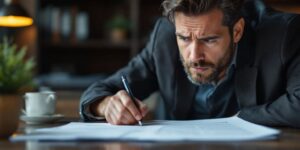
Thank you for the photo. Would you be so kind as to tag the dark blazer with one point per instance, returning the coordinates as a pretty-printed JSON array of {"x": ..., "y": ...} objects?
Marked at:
[{"x": 267, "y": 76}]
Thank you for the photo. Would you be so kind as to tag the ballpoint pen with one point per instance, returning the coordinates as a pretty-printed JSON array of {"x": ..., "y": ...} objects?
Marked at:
[{"x": 126, "y": 85}]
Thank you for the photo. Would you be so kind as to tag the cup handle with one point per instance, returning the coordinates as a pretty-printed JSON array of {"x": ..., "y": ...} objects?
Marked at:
[
  {"x": 24, "y": 105},
  {"x": 23, "y": 111},
  {"x": 50, "y": 98}
]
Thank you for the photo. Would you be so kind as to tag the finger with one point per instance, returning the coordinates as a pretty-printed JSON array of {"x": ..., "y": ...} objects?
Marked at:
[
  {"x": 128, "y": 118},
  {"x": 109, "y": 119},
  {"x": 143, "y": 108},
  {"x": 111, "y": 110},
  {"x": 110, "y": 115},
  {"x": 116, "y": 116},
  {"x": 123, "y": 114},
  {"x": 128, "y": 103}
]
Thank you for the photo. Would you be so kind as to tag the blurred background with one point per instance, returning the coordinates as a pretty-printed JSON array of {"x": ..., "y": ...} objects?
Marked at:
[{"x": 76, "y": 42}]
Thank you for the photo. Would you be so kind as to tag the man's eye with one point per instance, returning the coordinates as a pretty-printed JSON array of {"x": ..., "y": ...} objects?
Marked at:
[
  {"x": 183, "y": 38},
  {"x": 209, "y": 41}
]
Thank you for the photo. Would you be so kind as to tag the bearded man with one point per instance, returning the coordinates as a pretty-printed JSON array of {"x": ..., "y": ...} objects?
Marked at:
[{"x": 209, "y": 59}]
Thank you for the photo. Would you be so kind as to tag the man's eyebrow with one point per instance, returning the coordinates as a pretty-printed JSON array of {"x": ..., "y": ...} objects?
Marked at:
[
  {"x": 180, "y": 34},
  {"x": 209, "y": 37}
]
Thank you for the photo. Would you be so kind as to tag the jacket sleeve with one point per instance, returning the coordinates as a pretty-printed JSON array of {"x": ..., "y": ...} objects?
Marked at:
[
  {"x": 140, "y": 72},
  {"x": 285, "y": 110}
]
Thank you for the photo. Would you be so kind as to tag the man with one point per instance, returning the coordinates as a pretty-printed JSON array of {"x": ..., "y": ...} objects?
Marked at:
[{"x": 209, "y": 67}]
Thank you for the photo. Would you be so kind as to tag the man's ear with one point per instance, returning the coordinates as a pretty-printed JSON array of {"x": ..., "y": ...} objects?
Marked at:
[{"x": 238, "y": 30}]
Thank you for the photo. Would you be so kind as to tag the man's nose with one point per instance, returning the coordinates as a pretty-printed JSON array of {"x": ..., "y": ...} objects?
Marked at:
[{"x": 196, "y": 51}]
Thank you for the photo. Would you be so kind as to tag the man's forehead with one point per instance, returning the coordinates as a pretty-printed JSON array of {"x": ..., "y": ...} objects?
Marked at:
[
  {"x": 201, "y": 25},
  {"x": 213, "y": 13}
]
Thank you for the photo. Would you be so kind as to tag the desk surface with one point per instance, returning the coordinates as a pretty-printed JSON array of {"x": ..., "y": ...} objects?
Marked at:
[{"x": 289, "y": 139}]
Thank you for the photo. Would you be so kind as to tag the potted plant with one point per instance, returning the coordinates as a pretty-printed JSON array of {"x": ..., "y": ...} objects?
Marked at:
[
  {"x": 118, "y": 28},
  {"x": 15, "y": 76}
]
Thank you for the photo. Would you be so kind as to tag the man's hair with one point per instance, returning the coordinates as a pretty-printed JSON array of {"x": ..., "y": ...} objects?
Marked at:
[{"x": 231, "y": 8}]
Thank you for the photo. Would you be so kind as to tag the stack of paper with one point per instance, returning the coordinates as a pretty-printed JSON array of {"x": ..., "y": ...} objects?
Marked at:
[{"x": 225, "y": 129}]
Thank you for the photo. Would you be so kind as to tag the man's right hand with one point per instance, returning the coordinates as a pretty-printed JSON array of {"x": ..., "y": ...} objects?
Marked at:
[{"x": 119, "y": 109}]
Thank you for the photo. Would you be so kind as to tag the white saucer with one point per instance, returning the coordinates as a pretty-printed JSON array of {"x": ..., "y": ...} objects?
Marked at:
[{"x": 41, "y": 119}]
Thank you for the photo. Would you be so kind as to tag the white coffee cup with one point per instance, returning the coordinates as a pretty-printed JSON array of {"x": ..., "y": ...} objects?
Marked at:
[{"x": 39, "y": 103}]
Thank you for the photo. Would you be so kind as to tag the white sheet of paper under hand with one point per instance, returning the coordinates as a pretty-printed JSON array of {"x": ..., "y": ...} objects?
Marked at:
[{"x": 224, "y": 129}]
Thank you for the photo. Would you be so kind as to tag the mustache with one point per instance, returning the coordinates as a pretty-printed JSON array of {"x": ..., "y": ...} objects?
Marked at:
[{"x": 200, "y": 64}]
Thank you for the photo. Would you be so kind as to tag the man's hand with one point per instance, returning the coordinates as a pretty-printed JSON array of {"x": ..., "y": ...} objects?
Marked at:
[{"x": 119, "y": 109}]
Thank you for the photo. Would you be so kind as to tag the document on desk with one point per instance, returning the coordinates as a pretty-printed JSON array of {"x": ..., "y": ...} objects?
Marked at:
[{"x": 224, "y": 129}]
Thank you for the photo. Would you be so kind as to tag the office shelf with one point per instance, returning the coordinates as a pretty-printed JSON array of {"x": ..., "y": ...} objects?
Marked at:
[{"x": 77, "y": 35}]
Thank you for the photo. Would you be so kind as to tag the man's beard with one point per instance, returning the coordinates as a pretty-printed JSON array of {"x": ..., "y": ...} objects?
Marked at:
[{"x": 214, "y": 69}]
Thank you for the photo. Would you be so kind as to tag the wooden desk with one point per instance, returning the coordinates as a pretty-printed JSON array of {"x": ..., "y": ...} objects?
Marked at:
[
  {"x": 68, "y": 105},
  {"x": 289, "y": 140}
]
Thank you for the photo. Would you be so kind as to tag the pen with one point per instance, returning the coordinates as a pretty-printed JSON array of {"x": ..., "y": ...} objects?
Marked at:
[{"x": 126, "y": 85}]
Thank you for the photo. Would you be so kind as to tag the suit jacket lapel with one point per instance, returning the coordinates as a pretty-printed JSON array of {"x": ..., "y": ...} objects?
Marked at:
[{"x": 184, "y": 94}]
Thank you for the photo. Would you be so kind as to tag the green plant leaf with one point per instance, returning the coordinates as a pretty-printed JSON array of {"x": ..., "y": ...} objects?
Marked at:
[{"x": 15, "y": 70}]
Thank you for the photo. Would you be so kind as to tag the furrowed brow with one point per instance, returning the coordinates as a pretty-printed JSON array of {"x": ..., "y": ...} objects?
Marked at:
[{"x": 209, "y": 38}]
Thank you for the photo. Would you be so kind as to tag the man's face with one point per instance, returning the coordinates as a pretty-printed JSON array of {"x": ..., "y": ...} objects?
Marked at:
[{"x": 205, "y": 45}]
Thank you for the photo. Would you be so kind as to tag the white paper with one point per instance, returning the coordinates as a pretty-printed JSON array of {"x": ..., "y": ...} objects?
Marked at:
[{"x": 225, "y": 129}]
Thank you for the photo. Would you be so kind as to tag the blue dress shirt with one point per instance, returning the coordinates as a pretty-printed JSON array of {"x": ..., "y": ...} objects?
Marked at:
[{"x": 216, "y": 100}]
